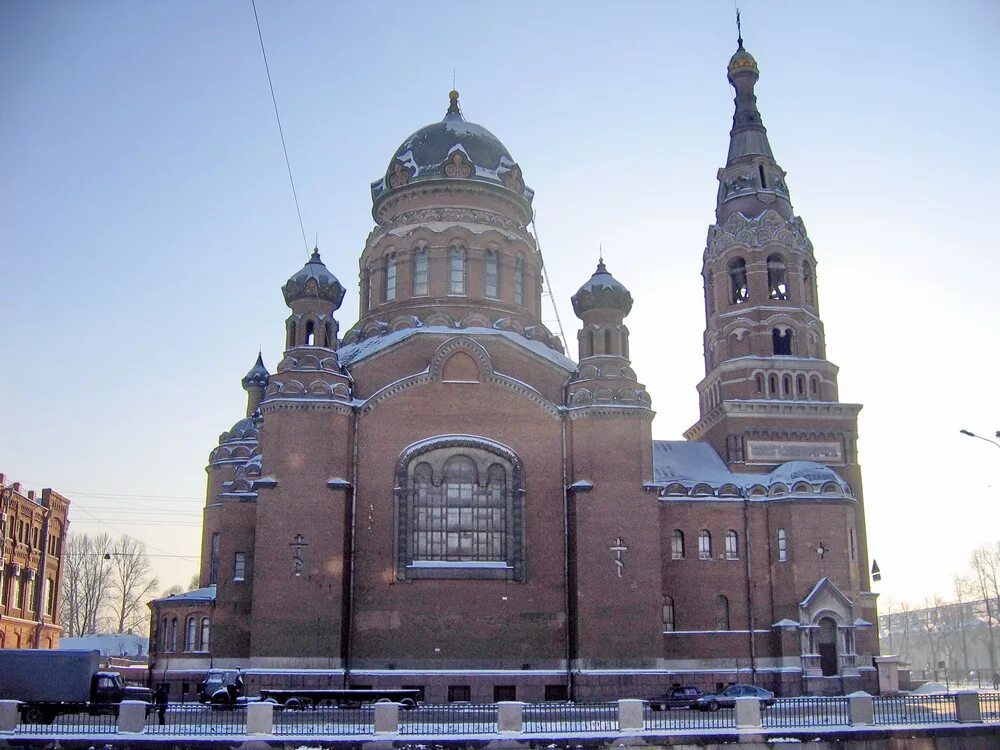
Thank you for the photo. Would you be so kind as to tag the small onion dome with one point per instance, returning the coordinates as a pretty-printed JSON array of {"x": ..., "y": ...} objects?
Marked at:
[
  {"x": 452, "y": 149},
  {"x": 602, "y": 291},
  {"x": 741, "y": 61},
  {"x": 314, "y": 281},
  {"x": 258, "y": 375}
]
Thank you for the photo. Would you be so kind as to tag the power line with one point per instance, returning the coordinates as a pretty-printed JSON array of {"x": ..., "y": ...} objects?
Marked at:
[{"x": 281, "y": 132}]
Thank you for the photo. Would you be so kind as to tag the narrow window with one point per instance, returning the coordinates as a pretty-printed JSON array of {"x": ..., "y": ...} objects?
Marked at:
[
  {"x": 814, "y": 386},
  {"x": 772, "y": 384},
  {"x": 732, "y": 545},
  {"x": 456, "y": 271},
  {"x": 213, "y": 572},
  {"x": 721, "y": 613},
  {"x": 786, "y": 385},
  {"x": 704, "y": 545},
  {"x": 800, "y": 385},
  {"x": 738, "y": 281},
  {"x": 592, "y": 336},
  {"x": 677, "y": 545},
  {"x": 782, "y": 546},
  {"x": 709, "y": 293},
  {"x": 607, "y": 341},
  {"x": 668, "y": 614},
  {"x": 291, "y": 334},
  {"x": 205, "y": 633},
  {"x": 777, "y": 277},
  {"x": 519, "y": 282},
  {"x": 782, "y": 342},
  {"x": 240, "y": 566},
  {"x": 173, "y": 635},
  {"x": 852, "y": 545},
  {"x": 390, "y": 280},
  {"x": 366, "y": 288},
  {"x": 492, "y": 275},
  {"x": 50, "y": 594},
  {"x": 760, "y": 382},
  {"x": 420, "y": 273},
  {"x": 807, "y": 283},
  {"x": 191, "y": 641},
  {"x": 165, "y": 635},
  {"x": 763, "y": 179},
  {"x": 310, "y": 333}
]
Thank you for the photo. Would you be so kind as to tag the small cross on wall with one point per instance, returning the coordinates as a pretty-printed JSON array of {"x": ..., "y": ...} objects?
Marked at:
[
  {"x": 618, "y": 550},
  {"x": 297, "y": 561},
  {"x": 821, "y": 551}
]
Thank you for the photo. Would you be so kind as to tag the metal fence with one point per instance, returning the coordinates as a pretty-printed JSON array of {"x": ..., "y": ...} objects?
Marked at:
[
  {"x": 989, "y": 706},
  {"x": 689, "y": 718},
  {"x": 324, "y": 720},
  {"x": 800, "y": 712},
  {"x": 571, "y": 717},
  {"x": 451, "y": 718},
  {"x": 915, "y": 709},
  {"x": 198, "y": 719},
  {"x": 81, "y": 723}
]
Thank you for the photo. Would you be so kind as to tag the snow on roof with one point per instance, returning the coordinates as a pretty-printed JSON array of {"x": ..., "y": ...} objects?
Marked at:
[
  {"x": 203, "y": 594},
  {"x": 353, "y": 353},
  {"x": 109, "y": 644}
]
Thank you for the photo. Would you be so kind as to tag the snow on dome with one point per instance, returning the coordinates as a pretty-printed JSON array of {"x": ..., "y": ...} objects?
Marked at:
[
  {"x": 314, "y": 280},
  {"x": 449, "y": 149},
  {"x": 805, "y": 471},
  {"x": 602, "y": 290},
  {"x": 258, "y": 375},
  {"x": 245, "y": 429}
]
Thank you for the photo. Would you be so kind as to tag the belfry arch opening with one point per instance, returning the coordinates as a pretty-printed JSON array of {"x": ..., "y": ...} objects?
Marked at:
[
  {"x": 739, "y": 291},
  {"x": 826, "y": 645},
  {"x": 781, "y": 341},
  {"x": 777, "y": 277}
]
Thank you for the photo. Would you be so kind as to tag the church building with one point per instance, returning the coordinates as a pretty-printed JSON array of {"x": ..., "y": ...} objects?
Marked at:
[{"x": 440, "y": 497}]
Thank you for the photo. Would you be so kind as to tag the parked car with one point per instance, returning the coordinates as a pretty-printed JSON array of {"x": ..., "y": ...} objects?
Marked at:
[
  {"x": 727, "y": 698},
  {"x": 676, "y": 697}
]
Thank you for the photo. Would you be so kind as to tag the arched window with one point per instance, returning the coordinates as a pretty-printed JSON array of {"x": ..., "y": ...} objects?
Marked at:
[
  {"x": 777, "y": 277},
  {"x": 709, "y": 293},
  {"x": 460, "y": 510},
  {"x": 420, "y": 272},
  {"x": 518, "y": 281},
  {"x": 782, "y": 546},
  {"x": 760, "y": 382},
  {"x": 677, "y": 545},
  {"x": 492, "y": 287},
  {"x": 592, "y": 340},
  {"x": 807, "y": 283},
  {"x": 772, "y": 385},
  {"x": 366, "y": 289},
  {"x": 456, "y": 270},
  {"x": 732, "y": 545},
  {"x": 291, "y": 334},
  {"x": 800, "y": 385},
  {"x": 607, "y": 341},
  {"x": 390, "y": 278},
  {"x": 786, "y": 386},
  {"x": 165, "y": 635},
  {"x": 310, "y": 333},
  {"x": 739, "y": 292},
  {"x": 721, "y": 613},
  {"x": 173, "y": 635},
  {"x": 704, "y": 545},
  {"x": 782, "y": 341},
  {"x": 205, "y": 633},
  {"x": 191, "y": 639},
  {"x": 814, "y": 386},
  {"x": 668, "y": 614}
]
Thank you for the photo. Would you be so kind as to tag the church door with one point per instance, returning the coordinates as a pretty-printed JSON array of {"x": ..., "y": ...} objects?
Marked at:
[{"x": 827, "y": 646}]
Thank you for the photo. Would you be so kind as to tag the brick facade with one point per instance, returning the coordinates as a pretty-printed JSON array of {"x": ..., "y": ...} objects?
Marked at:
[{"x": 441, "y": 498}]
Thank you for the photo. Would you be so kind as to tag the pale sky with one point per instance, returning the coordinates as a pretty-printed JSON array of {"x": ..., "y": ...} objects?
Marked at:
[{"x": 147, "y": 224}]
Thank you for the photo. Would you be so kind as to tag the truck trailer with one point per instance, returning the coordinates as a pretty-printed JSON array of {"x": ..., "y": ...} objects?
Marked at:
[{"x": 51, "y": 682}]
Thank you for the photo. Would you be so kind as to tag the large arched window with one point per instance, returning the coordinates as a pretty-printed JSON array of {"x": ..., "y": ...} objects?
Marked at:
[
  {"x": 704, "y": 545},
  {"x": 492, "y": 276},
  {"x": 739, "y": 292},
  {"x": 732, "y": 545},
  {"x": 460, "y": 510},
  {"x": 173, "y": 635},
  {"x": 205, "y": 634},
  {"x": 677, "y": 545},
  {"x": 456, "y": 270},
  {"x": 668, "y": 614},
  {"x": 777, "y": 277},
  {"x": 518, "y": 281},
  {"x": 721, "y": 613},
  {"x": 191, "y": 635},
  {"x": 420, "y": 288},
  {"x": 390, "y": 278}
]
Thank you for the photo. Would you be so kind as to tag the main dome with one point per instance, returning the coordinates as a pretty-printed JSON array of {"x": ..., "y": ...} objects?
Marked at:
[{"x": 452, "y": 149}]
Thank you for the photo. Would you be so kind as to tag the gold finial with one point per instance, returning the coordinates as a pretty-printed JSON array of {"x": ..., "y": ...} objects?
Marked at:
[{"x": 453, "y": 108}]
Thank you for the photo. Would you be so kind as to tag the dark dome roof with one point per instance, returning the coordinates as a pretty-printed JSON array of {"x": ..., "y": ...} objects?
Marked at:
[
  {"x": 315, "y": 281},
  {"x": 602, "y": 290},
  {"x": 452, "y": 148}
]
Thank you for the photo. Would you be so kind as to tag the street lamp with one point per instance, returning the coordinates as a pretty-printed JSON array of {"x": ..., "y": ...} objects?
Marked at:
[{"x": 991, "y": 441}]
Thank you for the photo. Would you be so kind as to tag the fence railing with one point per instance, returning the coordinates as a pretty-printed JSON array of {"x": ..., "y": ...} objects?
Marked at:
[{"x": 457, "y": 719}]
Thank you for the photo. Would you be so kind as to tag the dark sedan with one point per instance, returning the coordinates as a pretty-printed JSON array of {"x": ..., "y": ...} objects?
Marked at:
[
  {"x": 678, "y": 697},
  {"x": 727, "y": 698}
]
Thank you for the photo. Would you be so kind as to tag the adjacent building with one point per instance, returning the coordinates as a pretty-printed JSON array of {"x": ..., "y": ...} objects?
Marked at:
[
  {"x": 33, "y": 529},
  {"x": 441, "y": 497}
]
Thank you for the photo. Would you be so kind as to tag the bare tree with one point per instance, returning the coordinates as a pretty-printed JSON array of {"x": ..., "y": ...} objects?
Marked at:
[
  {"x": 132, "y": 584},
  {"x": 172, "y": 591},
  {"x": 86, "y": 582},
  {"x": 986, "y": 572},
  {"x": 964, "y": 590}
]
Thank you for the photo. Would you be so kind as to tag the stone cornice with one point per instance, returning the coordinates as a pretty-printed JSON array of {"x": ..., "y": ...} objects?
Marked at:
[{"x": 768, "y": 408}]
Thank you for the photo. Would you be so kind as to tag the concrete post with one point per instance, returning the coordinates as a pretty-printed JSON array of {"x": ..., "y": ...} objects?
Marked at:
[
  {"x": 630, "y": 714},
  {"x": 386, "y": 718},
  {"x": 861, "y": 707},
  {"x": 968, "y": 706},
  {"x": 747, "y": 712},
  {"x": 132, "y": 716},
  {"x": 8, "y": 716},
  {"x": 260, "y": 718},
  {"x": 510, "y": 716}
]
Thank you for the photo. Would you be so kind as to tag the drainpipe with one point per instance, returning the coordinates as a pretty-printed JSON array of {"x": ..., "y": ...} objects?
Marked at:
[
  {"x": 749, "y": 580},
  {"x": 42, "y": 580},
  {"x": 570, "y": 619},
  {"x": 348, "y": 608}
]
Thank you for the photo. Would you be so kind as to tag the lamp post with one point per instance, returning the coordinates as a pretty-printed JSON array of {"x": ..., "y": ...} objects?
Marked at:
[{"x": 991, "y": 441}]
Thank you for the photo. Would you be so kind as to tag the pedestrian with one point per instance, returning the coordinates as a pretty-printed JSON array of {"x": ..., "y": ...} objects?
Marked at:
[{"x": 161, "y": 698}]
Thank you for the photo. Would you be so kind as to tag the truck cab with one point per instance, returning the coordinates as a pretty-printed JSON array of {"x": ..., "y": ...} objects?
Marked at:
[
  {"x": 109, "y": 687},
  {"x": 221, "y": 686}
]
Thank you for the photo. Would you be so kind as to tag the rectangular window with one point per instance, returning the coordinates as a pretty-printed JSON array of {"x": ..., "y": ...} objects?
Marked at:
[
  {"x": 240, "y": 566},
  {"x": 853, "y": 542},
  {"x": 519, "y": 282},
  {"x": 556, "y": 693},
  {"x": 782, "y": 546},
  {"x": 17, "y": 595},
  {"x": 492, "y": 275},
  {"x": 732, "y": 546},
  {"x": 420, "y": 273},
  {"x": 504, "y": 693},
  {"x": 390, "y": 281},
  {"x": 456, "y": 271},
  {"x": 213, "y": 573},
  {"x": 50, "y": 597},
  {"x": 668, "y": 614},
  {"x": 459, "y": 693}
]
